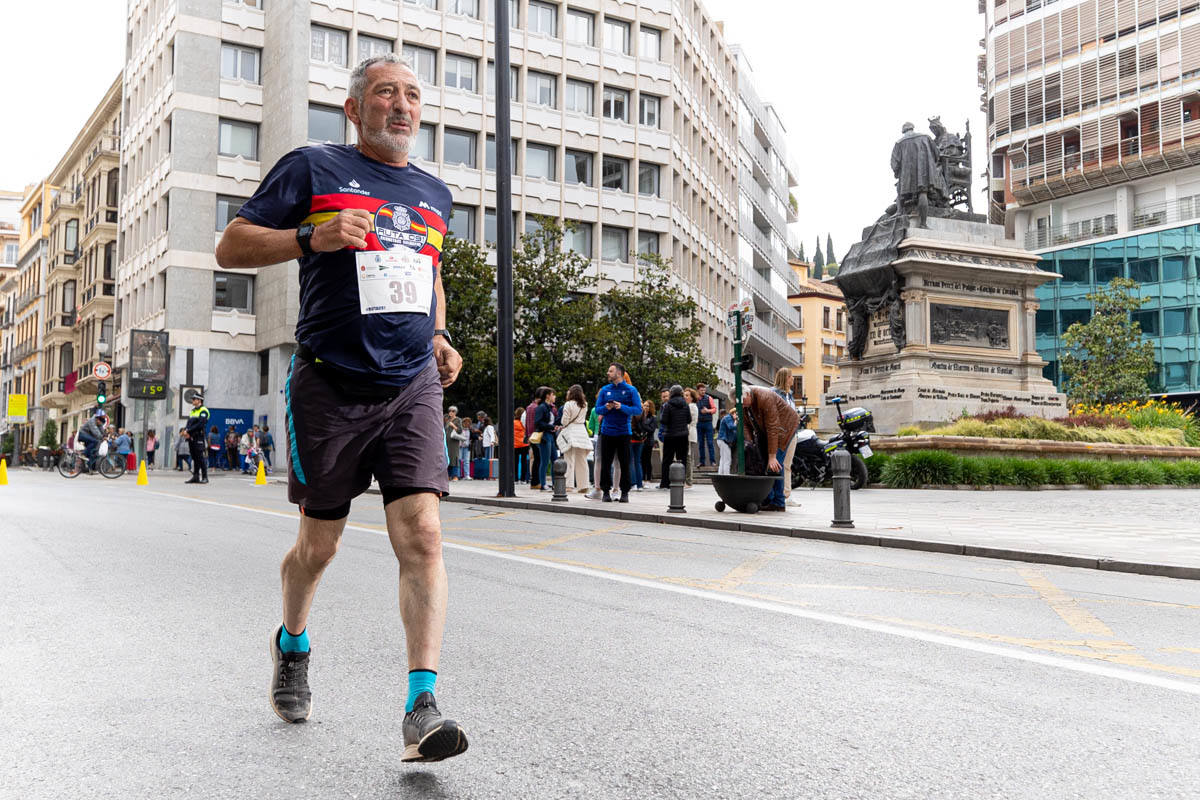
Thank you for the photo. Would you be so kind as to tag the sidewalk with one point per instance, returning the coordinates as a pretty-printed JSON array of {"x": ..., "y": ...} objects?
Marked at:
[{"x": 1147, "y": 531}]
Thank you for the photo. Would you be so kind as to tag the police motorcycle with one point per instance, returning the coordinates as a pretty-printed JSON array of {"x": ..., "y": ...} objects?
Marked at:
[{"x": 812, "y": 463}]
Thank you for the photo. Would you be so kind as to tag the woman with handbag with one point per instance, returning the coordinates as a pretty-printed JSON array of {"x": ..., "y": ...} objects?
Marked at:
[
  {"x": 573, "y": 439},
  {"x": 453, "y": 438},
  {"x": 542, "y": 437}
]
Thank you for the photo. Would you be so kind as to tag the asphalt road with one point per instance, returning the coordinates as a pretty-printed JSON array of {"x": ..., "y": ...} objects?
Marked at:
[{"x": 587, "y": 658}]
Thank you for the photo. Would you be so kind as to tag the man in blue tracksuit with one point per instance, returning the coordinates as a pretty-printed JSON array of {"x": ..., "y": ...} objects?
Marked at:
[{"x": 616, "y": 404}]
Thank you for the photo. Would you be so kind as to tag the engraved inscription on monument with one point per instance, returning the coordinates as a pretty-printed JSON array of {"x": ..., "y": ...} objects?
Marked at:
[
  {"x": 881, "y": 334},
  {"x": 968, "y": 326}
]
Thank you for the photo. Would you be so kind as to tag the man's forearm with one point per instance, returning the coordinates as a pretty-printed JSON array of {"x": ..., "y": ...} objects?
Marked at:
[
  {"x": 439, "y": 319},
  {"x": 245, "y": 245}
]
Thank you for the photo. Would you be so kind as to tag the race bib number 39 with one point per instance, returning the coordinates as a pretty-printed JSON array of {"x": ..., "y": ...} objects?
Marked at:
[{"x": 394, "y": 281}]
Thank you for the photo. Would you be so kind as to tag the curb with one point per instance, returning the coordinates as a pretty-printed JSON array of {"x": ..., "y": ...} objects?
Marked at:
[{"x": 842, "y": 536}]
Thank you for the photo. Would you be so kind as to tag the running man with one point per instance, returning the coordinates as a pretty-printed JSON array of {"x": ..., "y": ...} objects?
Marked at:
[{"x": 364, "y": 393}]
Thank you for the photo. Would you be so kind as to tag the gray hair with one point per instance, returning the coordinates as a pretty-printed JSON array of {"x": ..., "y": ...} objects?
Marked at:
[
  {"x": 677, "y": 391},
  {"x": 358, "y": 78}
]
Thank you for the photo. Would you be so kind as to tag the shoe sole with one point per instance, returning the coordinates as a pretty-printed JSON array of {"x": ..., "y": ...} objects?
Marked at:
[
  {"x": 271, "y": 687},
  {"x": 445, "y": 741}
]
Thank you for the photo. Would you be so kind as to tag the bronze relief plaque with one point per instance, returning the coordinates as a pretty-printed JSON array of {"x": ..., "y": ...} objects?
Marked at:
[{"x": 968, "y": 326}]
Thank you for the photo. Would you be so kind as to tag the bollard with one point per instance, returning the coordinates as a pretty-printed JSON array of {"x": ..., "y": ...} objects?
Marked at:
[
  {"x": 559, "y": 481},
  {"x": 676, "y": 472},
  {"x": 841, "y": 489}
]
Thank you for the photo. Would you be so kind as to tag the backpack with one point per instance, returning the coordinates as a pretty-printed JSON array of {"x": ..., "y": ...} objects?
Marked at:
[{"x": 756, "y": 460}]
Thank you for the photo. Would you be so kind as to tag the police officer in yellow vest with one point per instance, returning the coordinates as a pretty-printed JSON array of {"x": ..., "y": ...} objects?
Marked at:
[{"x": 197, "y": 434}]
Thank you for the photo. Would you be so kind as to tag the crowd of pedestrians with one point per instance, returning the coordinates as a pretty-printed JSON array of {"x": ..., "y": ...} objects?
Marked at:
[{"x": 609, "y": 445}]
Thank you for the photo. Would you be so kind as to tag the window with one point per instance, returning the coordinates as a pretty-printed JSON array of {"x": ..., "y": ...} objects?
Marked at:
[
  {"x": 1069, "y": 316},
  {"x": 540, "y": 161},
  {"x": 427, "y": 3},
  {"x": 1108, "y": 268},
  {"x": 616, "y": 35},
  {"x": 327, "y": 46},
  {"x": 326, "y": 124},
  {"x": 1176, "y": 321},
  {"x": 490, "y": 155},
  {"x": 10, "y": 253},
  {"x": 648, "y": 106},
  {"x": 540, "y": 89},
  {"x": 239, "y": 63},
  {"x": 462, "y": 222},
  {"x": 581, "y": 27},
  {"x": 106, "y": 327},
  {"x": 460, "y": 72},
  {"x": 543, "y": 18},
  {"x": 1145, "y": 271},
  {"x": 114, "y": 181},
  {"x": 1045, "y": 322},
  {"x": 580, "y": 96},
  {"x": 579, "y": 240},
  {"x": 614, "y": 244},
  {"x": 468, "y": 8},
  {"x": 264, "y": 371},
  {"x": 423, "y": 146},
  {"x": 234, "y": 292},
  {"x": 616, "y": 104},
  {"x": 371, "y": 46},
  {"x": 647, "y": 242},
  {"x": 650, "y": 43},
  {"x": 579, "y": 168},
  {"x": 68, "y": 297},
  {"x": 71, "y": 235},
  {"x": 458, "y": 147},
  {"x": 238, "y": 139},
  {"x": 514, "y": 82},
  {"x": 1149, "y": 322},
  {"x": 648, "y": 178},
  {"x": 227, "y": 208},
  {"x": 423, "y": 61},
  {"x": 615, "y": 174},
  {"x": 825, "y": 318},
  {"x": 1073, "y": 270}
]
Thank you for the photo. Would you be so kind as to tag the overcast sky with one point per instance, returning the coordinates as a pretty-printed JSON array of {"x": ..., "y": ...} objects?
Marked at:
[{"x": 843, "y": 76}]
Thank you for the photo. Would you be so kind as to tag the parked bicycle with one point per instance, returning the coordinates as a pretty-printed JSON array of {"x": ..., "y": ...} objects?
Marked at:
[{"x": 109, "y": 463}]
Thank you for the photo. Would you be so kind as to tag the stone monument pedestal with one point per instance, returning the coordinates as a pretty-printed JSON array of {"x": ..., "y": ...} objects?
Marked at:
[{"x": 965, "y": 326}]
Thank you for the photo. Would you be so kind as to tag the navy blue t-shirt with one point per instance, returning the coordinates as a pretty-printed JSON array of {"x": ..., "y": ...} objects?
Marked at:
[{"x": 410, "y": 209}]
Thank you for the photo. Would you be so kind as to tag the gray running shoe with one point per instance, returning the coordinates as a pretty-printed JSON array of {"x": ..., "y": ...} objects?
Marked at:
[
  {"x": 428, "y": 736},
  {"x": 290, "y": 696}
]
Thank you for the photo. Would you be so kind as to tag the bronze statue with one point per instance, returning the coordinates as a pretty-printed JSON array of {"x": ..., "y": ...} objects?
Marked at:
[
  {"x": 918, "y": 171},
  {"x": 954, "y": 158}
]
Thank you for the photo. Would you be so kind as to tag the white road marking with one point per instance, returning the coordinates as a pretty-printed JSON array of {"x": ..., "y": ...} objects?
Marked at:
[{"x": 781, "y": 608}]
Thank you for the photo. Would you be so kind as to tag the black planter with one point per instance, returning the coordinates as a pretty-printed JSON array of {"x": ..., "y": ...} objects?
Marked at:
[{"x": 744, "y": 493}]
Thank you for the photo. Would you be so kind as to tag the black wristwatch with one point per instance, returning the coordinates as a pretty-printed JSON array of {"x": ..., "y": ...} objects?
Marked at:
[
  {"x": 304, "y": 238},
  {"x": 445, "y": 334}
]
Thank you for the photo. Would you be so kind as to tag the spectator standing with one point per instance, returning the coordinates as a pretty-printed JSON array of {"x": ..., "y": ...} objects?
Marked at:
[
  {"x": 216, "y": 449},
  {"x": 181, "y": 451},
  {"x": 776, "y": 420},
  {"x": 520, "y": 446},
  {"x": 637, "y": 439},
  {"x": 530, "y": 412},
  {"x": 453, "y": 426},
  {"x": 573, "y": 439},
  {"x": 124, "y": 444},
  {"x": 245, "y": 445},
  {"x": 232, "y": 440},
  {"x": 727, "y": 440},
  {"x": 783, "y": 388},
  {"x": 543, "y": 424},
  {"x": 268, "y": 446},
  {"x": 488, "y": 438},
  {"x": 673, "y": 426},
  {"x": 151, "y": 446},
  {"x": 616, "y": 403},
  {"x": 649, "y": 426},
  {"x": 689, "y": 394},
  {"x": 706, "y": 407}
]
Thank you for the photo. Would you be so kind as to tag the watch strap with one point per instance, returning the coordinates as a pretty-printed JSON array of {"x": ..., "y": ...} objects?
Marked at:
[
  {"x": 443, "y": 333},
  {"x": 304, "y": 238}
]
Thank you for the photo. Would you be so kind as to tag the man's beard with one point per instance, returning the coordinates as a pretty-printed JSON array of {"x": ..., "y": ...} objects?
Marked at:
[{"x": 383, "y": 139}]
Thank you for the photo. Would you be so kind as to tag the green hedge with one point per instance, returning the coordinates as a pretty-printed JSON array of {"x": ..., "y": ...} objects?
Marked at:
[{"x": 922, "y": 467}]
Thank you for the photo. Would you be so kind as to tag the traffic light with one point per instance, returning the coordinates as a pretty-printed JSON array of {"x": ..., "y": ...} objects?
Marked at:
[
  {"x": 747, "y": 362},
  {"x": 101, "y": 394}
]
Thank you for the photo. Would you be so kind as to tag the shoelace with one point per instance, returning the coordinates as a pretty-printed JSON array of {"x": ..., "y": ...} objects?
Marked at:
[{"x": 291, "y": 669}]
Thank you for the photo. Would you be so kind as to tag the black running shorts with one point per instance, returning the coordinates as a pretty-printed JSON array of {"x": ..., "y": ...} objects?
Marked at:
[{"x": 340, "y": 435}]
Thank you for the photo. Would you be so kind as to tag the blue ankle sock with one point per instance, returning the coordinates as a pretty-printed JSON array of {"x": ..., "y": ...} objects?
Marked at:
[
  {"x": 419, "y": 680},
  {"x": 293, "y": 644}
]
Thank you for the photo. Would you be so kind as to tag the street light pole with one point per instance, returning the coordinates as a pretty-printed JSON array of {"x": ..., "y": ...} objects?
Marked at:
[{"x": 504, "y": 246}]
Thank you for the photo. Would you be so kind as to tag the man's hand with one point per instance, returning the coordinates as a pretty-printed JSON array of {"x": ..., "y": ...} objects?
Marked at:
[
  {"x": 773, "y": 465},
  {"x": 348, "y": 229},
  {"x": 449, "y": 362}
]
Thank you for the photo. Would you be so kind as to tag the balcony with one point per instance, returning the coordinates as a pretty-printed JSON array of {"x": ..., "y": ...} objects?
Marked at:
[
  {"x": 764, "y": 335},
  {"x": 108, "y": 145},
  {"x": 67, "y": 197},
  {"x": 761, "y": 201},
  {"x": 23, "y": 351},
  {"x": 1169, "y": 213},
  {"x": 58, "y": 327},
  {"x": 778, "y": 303},
  {"x": 54, "y": 393},
  {"x": 1042, "y": 238},
  {"x": 26, "y": 298},
  {"x": 829, "y": 361}
]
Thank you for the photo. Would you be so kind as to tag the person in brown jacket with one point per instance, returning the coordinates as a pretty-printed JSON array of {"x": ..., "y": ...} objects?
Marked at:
[{"x": 776, "y": 420}]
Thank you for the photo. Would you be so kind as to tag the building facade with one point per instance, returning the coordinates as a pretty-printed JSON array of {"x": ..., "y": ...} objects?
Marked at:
[
  {"x": 1093, "y": 111},
  {"x": 820, "y": 337},
  {"x": 77, "y": 328},
  {"x": 624, "y": 122},
  {"x": 10, "y": 243},
  {"x": 28, "y": 307},
  {"x": 765, "y": 180}
]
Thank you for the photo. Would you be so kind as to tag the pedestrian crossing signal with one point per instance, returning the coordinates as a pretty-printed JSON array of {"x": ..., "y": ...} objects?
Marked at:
[{"x": 101, "y": 394}]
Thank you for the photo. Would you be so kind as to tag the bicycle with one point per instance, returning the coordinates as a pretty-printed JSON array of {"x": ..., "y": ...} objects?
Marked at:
[{"x": 74, "y": 462}]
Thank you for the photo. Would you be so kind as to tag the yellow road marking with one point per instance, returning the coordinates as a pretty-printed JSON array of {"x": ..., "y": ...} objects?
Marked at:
[
  {"x": 744, "y": 571},
  {"x": 1195, "y": 650},
  {"x": 570, "y": 537},
  {"x": 1067, "y": 607}
]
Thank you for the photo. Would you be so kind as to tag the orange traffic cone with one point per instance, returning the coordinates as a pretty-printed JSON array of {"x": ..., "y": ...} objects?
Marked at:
[
  {"x": 142, "y": 480},
  {"x": 261, "y": 478}
]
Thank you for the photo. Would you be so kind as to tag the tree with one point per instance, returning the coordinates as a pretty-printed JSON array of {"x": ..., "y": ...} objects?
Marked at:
[
  {"x": 652, "y": 329},
  {"x": 1107, "y": 359},
  {"x": 830, "y": 258},
  {"x": 818, "y": 262},
  {"x": 49, "y": 437},
  {"x": 800, "y": 255},
  {"x": 470, "y": 284}
]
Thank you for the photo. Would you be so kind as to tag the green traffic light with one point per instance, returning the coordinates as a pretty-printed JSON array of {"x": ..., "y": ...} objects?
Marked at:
[{"x": 101, "y": 399}]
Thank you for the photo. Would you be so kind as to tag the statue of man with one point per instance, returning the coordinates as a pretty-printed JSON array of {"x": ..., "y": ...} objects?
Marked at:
[{"x": 919, "y": 178}]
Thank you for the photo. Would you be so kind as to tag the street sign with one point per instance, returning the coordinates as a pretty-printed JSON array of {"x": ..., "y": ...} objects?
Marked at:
[
  {"x": 148, "y": 364},
  {"x": 18, "y": 408},
  {"x": 746, "y": 308},
  {"x": 102, "y": 371}
]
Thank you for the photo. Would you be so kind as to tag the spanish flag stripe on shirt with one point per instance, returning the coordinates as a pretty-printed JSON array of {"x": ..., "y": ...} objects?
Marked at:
[{"x": 434, "y": 237}]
